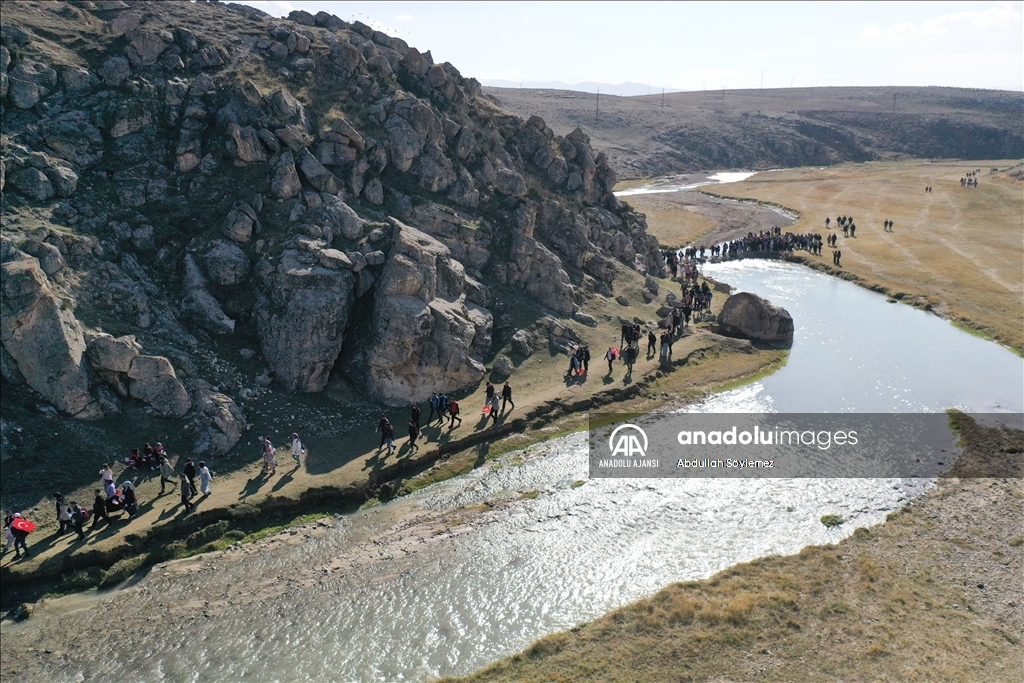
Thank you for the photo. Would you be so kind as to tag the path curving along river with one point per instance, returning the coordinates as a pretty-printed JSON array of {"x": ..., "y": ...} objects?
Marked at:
[{"x": 470, "y": 570}]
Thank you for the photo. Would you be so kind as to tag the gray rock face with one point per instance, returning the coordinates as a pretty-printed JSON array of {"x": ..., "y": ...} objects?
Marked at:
[
  {"x": 106, "y": 352},
  {"x": 33, "y": 184},
  {"x": 154, "y": 381},
  {"x": 522, "y": 343},
  {"x": 502, "y": 367},
  {"x": 239, "y": 222},
  {"x": 44, "y": 340},
  {"x": 222, "y": 422},
  {"x": 301, "y": 313},
  {"x": 199, "y": 305},
  {"x": 424, "y": 332},
  {"x": 226, "y": 263},
  {"x": 535, "y": 269},
  {"x": 284, "y": 180},
  {"x": 750, "y": 316},
  {"x": 247, "y": 143},
  {"x": 374, "y": 192},
  {"x": 340, "y": 217}
]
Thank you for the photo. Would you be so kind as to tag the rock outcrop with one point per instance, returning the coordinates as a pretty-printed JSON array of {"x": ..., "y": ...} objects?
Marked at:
[
  {"x": 423, "y": 331},
  {"x": 748, "y": 315},
  {"x": 44, "y": 339},
  {"x": 301, "y": 313}
]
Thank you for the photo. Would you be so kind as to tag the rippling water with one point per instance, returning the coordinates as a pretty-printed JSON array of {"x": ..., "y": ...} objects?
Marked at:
[{"x": 425, "y": 587}]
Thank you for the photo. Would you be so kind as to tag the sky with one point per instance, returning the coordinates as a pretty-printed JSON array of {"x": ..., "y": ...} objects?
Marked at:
[{"x": 696, "y": 45}]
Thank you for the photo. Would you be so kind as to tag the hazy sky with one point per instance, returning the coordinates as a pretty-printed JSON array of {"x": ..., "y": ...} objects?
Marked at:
[{"x": 694, "y": 45}]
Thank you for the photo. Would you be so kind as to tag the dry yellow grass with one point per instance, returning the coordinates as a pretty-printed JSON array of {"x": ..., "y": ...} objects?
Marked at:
[
  {"x": 961, "y": 250},
  {"x": 673, "y": 224}
]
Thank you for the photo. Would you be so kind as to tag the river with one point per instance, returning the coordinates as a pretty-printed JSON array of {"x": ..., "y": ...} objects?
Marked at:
[{"x": 460, "y": 574}]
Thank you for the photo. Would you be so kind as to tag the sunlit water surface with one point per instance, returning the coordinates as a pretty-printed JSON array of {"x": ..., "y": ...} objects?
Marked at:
[{"x": 535, "y": 566}]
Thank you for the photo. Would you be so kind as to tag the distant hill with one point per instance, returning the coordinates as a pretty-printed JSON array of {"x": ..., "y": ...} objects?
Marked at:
[
  {"x": 759, "y": 129},
  {"x": 627, "y": 89}
]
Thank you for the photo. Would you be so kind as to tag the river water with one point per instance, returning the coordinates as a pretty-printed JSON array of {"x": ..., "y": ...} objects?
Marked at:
[{"x": 467, "y": 571}]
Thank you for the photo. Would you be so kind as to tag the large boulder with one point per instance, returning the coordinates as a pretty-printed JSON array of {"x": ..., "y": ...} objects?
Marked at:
[
  {"x": 226, "y": 263},
  {"x": 201, "y": 306},
  {"x": 301, "y": 313},
  {"x": 425, "y": 337},
  {"x": 44, "y": 339},
  {"x": 221, "y": 422},
  {"x": 748, "y": 315},
  {"x": 114, "y": 354},
  {"x": 154, "y": 381},
  {"x": 535, "y": 269}
]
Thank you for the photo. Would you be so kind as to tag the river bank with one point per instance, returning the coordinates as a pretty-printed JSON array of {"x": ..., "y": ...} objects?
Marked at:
[
  {"x": 933, "y": 594},
  {"x": 954, "y": 251},
  {"x": 355, "y": 472}
]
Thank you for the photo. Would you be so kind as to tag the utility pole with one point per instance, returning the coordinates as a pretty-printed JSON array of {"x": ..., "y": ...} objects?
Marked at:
[
  {"x": 723, "y": 94},
  {"x": 762, "y": 79},
  {"x": 894, "y": 103},
  {"x": 662, "y": 98},
  {"x": 597, "y": 106}
]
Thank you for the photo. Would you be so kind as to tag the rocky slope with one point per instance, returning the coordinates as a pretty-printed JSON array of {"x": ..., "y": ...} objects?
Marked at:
[
  {"x": 184, "y": 184},
  {"x": 762, "y": 129}
]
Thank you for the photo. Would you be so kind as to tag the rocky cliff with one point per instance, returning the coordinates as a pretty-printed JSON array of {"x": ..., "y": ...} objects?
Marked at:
[{"x": 183, "y": 180}]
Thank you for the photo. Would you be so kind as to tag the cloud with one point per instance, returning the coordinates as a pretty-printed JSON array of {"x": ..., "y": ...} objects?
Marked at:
[
  {"x": 404, "y": 17},
  {"x": 871, "y": 33},
  {"x": 287, "y": 7}
]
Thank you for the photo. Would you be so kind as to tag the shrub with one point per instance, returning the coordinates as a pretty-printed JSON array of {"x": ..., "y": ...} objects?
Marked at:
[
  {"x": 123, "y": 570},
  {"x": 207, "y": 534}
]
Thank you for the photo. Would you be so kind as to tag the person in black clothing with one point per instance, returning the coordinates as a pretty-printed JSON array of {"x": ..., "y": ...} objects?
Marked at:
[
  {"x": 586, "y": 362},
  {"x": 652, "y": 341},
  {"x": 382, "y": 427},
  {"x": 19, "y": 538},
  {"x": 415, "y": 416},
  {"x": 490, "y": 392},
  {"x": 131, "y": 503},
  {"x": 99, "y": 509},
  {"x": 506, "y": 397},
  {"x": 189, "y": 470},
  {"x": 414, "y": 432},
  {"x": 185, "y": 484}
]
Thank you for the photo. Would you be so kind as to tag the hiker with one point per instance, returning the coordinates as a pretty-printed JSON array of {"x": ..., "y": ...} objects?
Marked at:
[
  {"x": 382, "y": 426},
  {"x": 839, "y": 255},
  {"x": 443, "y": 406},
  {"x": 586, "y": 361},
  {"x": 652, "y": 341},
  {"x": 574, "y": 369},
  {"x": 19, "y": 536},
  {"x": 8, "y": 534},
  {"x": 107, "y": 480},
  {"x": 63, "y": 513},
  {"x": 297, "y": 449},
  {"x": 388, "y": 435},
  {"x": 131, "y": 503},
  {"x": 185, "y": 485},
  {"x": 490, "y": 392},
  {"x": 629, "y": 355},
  {"x": 414, "y": 432},
  {"x": 493, "y": 403},
  {"x": 205, "y": 478},
  {"x": 166, "y": 474},
  {"x": 269, "y": 463},
  {"x": 99, "y": 510},
  {"x": 664, "y": 345},
  {"x": 453, "y": 407},
  {"x": 190, "y": 469},
  {"x": 506, "y": 397},
  {"x": 78, "y": 517},
  {"x": 414, "y": 415},
  {"x": 610, "y": 357},
  {"x": 434, "y": 405}
]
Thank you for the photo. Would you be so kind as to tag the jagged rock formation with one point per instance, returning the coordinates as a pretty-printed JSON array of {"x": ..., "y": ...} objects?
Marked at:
[
  {"x": 748, "y": 315},
  {"x": 345, "y": 187}
]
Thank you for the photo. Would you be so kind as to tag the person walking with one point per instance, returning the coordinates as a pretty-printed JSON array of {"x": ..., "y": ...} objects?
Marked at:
[
  {"x": 414, "y": 432},
  {"x": 8, "y": 534},
  {"x": 297, "y": 449},
  {"x": 131, "y": 502},
  {"x": 99, "y": 510},
  {"x": 651, "y": 341},
  {"x": 442, "y": 411},
  {"x": 610, "y": 357},
  {"x": 190, "y": 469},
  {"x": 414, "y": 415},
  {"x": 506, "y": 397},
  {"x": 388, "y": 435},
  {"x": 435, "y": 404},
  {"x": 453, "y": 410},
  {"x": 269, "y": 461},
  {"x": 204, "y": 479},
  {"x": 166, "y": 474},
  {"x": 382, "y": 427},
  {"x": 490, "y": 392},
  {"x": 107, "y": 480},
  {"x": 494, "y": 409},
  {"x": 586, "y": 361},
  {"x": 19, "y": 537},
  {"x": 78, "y": 517},
  {"x": 185, "y": 497},
  {"x": 63, "y": 513}
]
